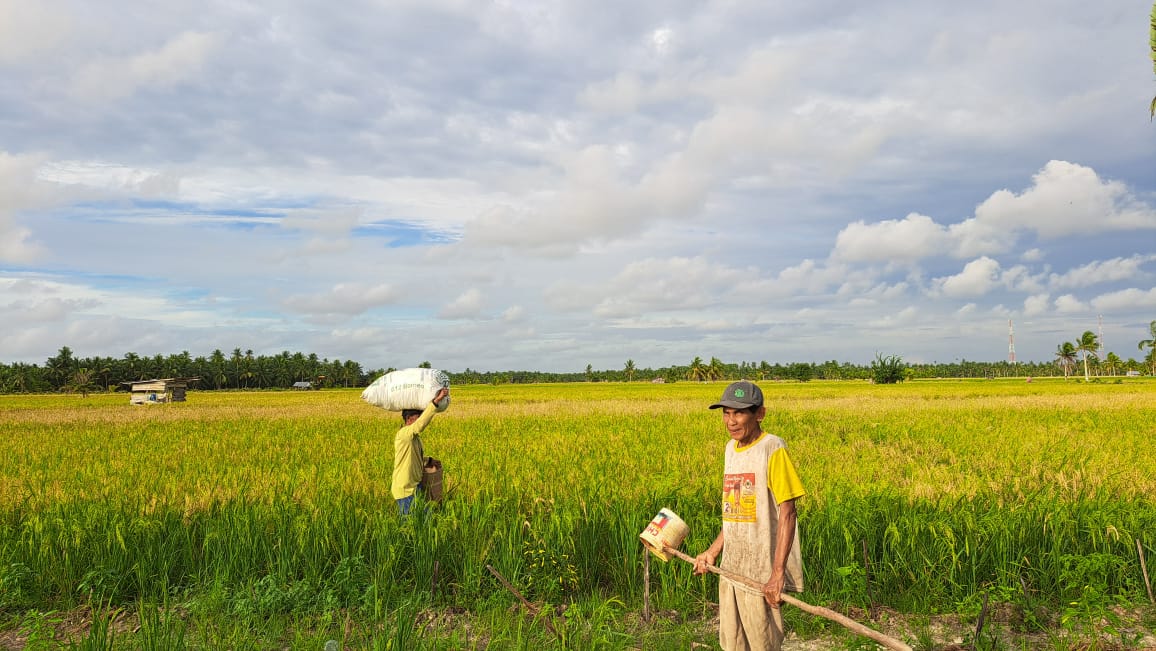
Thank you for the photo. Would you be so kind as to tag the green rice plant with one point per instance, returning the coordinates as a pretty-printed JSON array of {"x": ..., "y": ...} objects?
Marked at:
[
  {"x": 269, "y": 508},
  {"x": 101, "y": 635},
  {"x": 160, "y": 629}
]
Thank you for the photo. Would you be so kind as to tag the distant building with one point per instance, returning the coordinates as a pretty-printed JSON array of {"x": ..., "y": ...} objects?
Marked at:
[
  {"x": 303, "y": 386},
  {"x": 1133, "y": 374},
  {"x": 151, "y": 392}
]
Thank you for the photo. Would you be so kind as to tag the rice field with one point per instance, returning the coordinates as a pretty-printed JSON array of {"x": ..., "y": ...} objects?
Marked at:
[{"x": 264, "y": 519}]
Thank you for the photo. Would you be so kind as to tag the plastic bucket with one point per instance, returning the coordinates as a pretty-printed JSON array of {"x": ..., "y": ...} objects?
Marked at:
[{"x": 665, "y": 530}]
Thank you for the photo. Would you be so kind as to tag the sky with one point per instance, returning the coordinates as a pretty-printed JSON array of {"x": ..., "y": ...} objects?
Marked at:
[{"x": 544, "y": 185}]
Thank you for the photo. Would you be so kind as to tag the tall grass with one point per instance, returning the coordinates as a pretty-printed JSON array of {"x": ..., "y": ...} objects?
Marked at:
[{"x": 253, "y": 506}]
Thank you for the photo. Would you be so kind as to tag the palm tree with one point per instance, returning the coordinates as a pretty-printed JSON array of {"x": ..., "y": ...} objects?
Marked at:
[
  {"x": 352, "y": 372},
  {"x": 697, "y": 371},
  {"x": 629, "y": 370},
  {"x": 104, "y": 367},
  {"x": 19, "y": 378},
  {"x": 716, "y": 370},
  {"x": 1150, "y": 344},
  {"x": 765, "y": 369},
  {"x": 1087, "y": 344},
  {"x": 157, "y": 364},
  {"x": 236, "y": 367},
  {"x": 263, "y": 371},
  {"x": 217, "y": 374},
  {"x": 281, "y": 374},
  {"x": 81, "y": 381},
  {"x": 1152, "y": 42},
  {"x": 131, "y": 365},
  {"x": 61, "y": 367},
  {"x": 1112, "y": 362},
  {"x": 1066, "y": 357}
]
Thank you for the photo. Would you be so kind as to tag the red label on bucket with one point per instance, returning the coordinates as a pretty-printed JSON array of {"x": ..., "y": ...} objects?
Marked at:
[{"x": 657, "y": 524}]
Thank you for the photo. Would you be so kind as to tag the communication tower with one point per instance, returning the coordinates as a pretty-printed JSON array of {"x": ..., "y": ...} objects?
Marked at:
[
  {"x": 1101, "y": 339},
  {"x": 1011, "y": 342}
]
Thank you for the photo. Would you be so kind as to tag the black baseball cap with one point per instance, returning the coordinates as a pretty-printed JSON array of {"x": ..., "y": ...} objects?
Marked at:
[{"x": 740, "y": 395}]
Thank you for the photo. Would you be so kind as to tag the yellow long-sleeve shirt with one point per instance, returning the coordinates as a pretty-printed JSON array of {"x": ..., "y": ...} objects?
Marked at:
[{"x": 408, "y": 455}]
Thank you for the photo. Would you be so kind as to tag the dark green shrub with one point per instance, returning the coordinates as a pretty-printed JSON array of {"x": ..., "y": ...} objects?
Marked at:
[{"x": 887, "y": 369}]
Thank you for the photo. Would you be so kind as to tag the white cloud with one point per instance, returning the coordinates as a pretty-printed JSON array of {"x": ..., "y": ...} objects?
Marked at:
[
  {"x": 593, "y": 202},
  {"x": 1103, "y": 271},
  {"x": 19, "y": 192},
  {"x": 905, "y": 316},
  {"x": 879, "y": 294},
  {"x": 105, "y": 179},
  {"x": 681, "y": 283},
  {"x": 973, "y": 237},
  {"x": 16, "y": 243},
  {"x": 110, "y": 78},
  {"x": 1125, "y": 300},
  {"x": 1066, "y": 199},
  {"x": 30, "y": 29},
  {"x": 1036, "y": 304},
  {"x": 671, "y": 284},
  {"x": 662, "y": 40},
  {"x": 329, "y": 228},
  {"x": 465, "y": 306},
  {"x": 626, "y": 92},
  {"x": 1069, "y": 304},
  {"x": 1020, "y": 278},
  {"x": 49, "y": 309},
  {"x": 977, "y": 278},
  {"x": 343, "y": 299},
  {"x": 807, "y": 277},
  {"x": 270, "y": 181},
  {"x": 906, "y": 240},
  {"x": 45, "y": 310}
]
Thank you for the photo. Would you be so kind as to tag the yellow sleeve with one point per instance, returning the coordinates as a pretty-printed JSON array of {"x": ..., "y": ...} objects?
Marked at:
[
  {"x": 407, "y": 432},
  {"x": 781, "y": 475}
]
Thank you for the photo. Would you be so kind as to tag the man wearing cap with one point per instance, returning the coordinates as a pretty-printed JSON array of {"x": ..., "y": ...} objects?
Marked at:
[{"x": 761, "y": 541}]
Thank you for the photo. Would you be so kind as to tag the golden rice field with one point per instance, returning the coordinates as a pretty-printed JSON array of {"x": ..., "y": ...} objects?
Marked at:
[{"x": 264, "y": 520}]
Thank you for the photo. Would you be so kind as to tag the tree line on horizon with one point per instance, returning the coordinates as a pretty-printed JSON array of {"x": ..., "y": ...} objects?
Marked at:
[{"x": 241, "y": 370}]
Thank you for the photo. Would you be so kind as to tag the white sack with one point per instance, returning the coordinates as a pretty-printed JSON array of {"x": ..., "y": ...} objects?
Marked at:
[{"x": 408, "y": 388}]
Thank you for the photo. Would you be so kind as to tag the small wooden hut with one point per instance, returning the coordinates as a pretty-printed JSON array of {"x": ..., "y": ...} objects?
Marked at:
[{"x": 152, "y": 392}]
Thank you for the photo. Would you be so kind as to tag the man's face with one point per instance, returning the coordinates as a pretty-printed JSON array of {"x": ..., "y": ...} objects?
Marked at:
[{"x": 743, "y": 425}]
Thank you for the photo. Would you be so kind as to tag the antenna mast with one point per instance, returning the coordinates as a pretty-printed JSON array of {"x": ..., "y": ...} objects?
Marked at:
[
  {"x": 1011, "y": 342},
  {"x": 1101, "y": 341}
]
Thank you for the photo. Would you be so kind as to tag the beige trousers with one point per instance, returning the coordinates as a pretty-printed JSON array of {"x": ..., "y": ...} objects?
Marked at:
[{"x": 746, "y": 622}]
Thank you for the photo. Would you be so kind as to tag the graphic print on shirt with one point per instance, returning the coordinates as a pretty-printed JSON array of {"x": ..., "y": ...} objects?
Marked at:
[{"x": 739, "y": 497}]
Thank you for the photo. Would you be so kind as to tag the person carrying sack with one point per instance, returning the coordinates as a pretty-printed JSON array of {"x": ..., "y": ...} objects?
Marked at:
[{"x": 408, "y": 454}]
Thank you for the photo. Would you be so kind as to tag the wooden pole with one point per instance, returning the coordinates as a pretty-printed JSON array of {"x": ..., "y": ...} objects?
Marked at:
[
  {"x": 819, "y": 611},
  {"x": 1144, "y": 570},
  {"x": 534, "y": 610},
  {"x": 979, "y": 624},
  {"x": 645, "y": 584}
]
